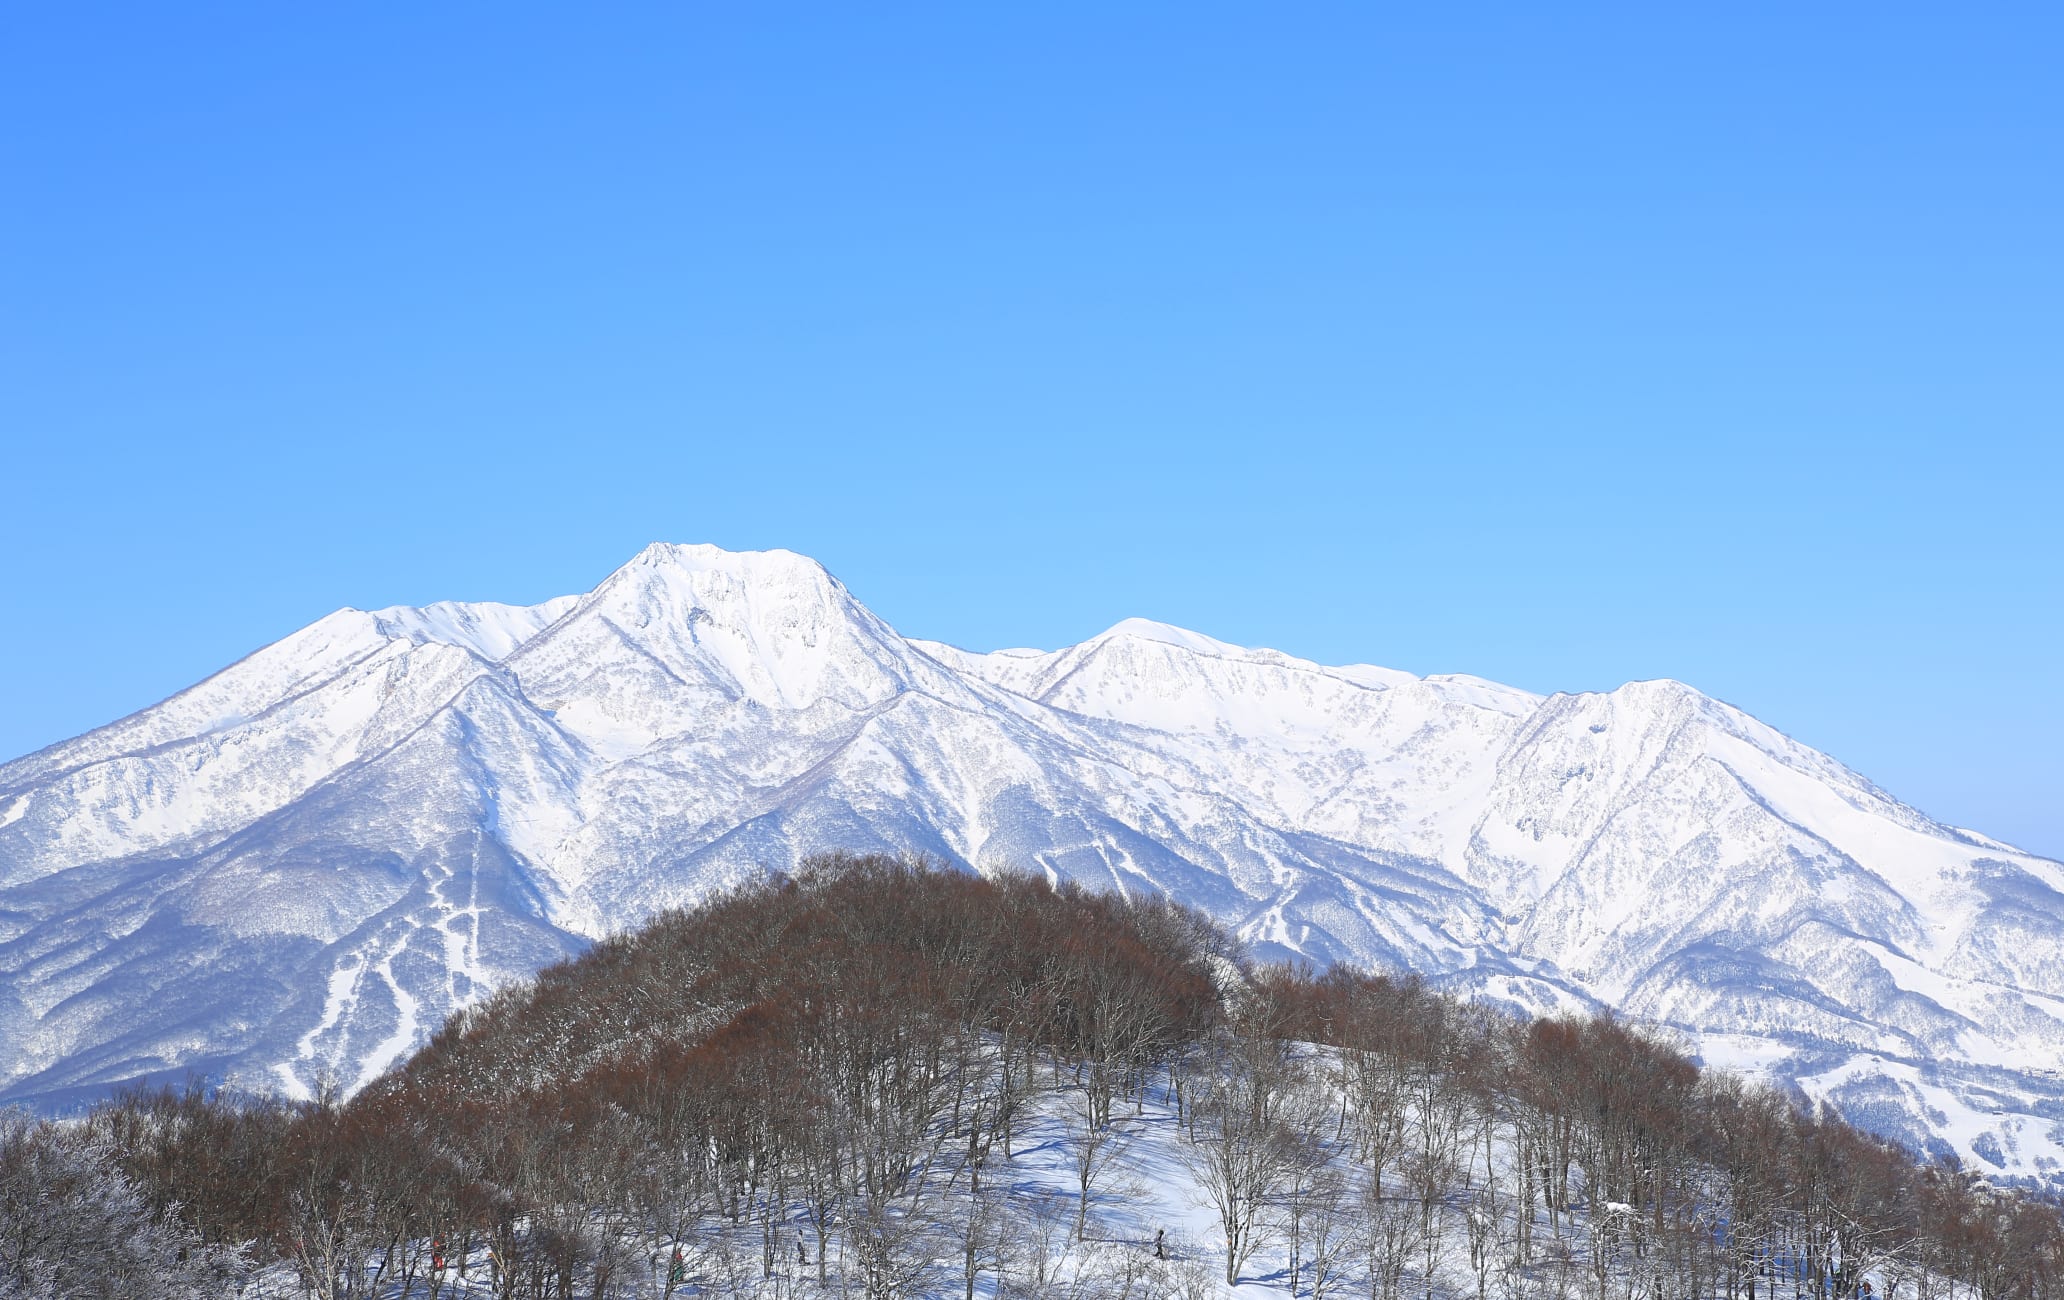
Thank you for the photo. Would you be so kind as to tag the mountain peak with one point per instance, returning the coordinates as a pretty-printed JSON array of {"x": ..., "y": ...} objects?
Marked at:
[
  {"x": 1146, "y": 629},
  {"x": 706, "y": 557},
  {"x": 431, "y": 824},
  {"x": 697, "y": 585},
  {"x": 683, "y": 628}
]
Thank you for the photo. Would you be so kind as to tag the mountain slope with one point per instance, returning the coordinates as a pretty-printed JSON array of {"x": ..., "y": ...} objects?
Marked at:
[{"x": 295, "y": 869}]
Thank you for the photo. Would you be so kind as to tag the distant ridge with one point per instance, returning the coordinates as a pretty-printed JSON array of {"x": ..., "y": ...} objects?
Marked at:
[{"x": 294, "y": 870}]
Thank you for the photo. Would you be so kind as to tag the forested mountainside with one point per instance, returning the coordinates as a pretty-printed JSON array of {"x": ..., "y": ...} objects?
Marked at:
[
  {"x": 295, "y": 871},
  {"x": 878, "y": 1077}
]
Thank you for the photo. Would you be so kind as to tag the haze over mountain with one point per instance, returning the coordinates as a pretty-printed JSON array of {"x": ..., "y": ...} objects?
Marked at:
[{"x": 294, "y": 870}]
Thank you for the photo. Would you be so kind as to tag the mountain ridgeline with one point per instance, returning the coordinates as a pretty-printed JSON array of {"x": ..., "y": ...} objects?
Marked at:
[
  {"x": 289, "y": 875},
  {"x": 849, "y": 1082}
]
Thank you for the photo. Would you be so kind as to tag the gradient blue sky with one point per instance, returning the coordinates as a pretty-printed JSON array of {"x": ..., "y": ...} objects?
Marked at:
[{"x": 1558, "y": 345}]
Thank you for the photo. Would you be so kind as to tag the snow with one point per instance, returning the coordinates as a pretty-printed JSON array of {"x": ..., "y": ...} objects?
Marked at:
[
  {"x": 1149, "y": 1189},
  {"x": 1147, "y": 629},
  {"x": 339, "y": 997},
  {"x": 409, "y": 1030},
  {"x": 702, "y": 715},
  {"x": 2028, "y": 1140},
  {"x": 489, "y": 630}
]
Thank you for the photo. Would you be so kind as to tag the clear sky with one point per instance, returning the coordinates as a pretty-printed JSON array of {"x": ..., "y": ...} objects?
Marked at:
[{"x": 1562, "y": 345}]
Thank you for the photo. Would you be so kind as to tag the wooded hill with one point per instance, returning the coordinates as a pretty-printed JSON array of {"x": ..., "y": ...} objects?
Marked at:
[{"x": 822, "y": 1085}]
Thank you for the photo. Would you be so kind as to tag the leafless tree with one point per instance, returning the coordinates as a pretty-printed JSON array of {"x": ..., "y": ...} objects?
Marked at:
[
  {"x": 1391, "y": 1241},
  {"x": 73, "y": 1227},
  {"x": 1330, "y": 1229},
  {"x": 1094, "y": 1146},
  {"x": 1244, "y": 1147}
]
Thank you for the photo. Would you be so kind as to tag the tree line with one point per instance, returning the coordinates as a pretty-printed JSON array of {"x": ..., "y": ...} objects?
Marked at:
[{"x": 819, "y": 1084}]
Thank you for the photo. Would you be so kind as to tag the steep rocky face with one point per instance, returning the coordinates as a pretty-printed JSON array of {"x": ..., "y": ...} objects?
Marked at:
[{"x": 294, "y": 870}]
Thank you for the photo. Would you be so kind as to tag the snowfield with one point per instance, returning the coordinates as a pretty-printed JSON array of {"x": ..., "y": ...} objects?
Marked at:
[{"x": 293, "y": 871}]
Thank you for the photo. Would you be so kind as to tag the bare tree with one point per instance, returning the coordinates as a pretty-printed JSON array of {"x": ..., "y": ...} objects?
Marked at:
[
  {"x": 1095, "y": 1145},
  {"x": 1312, "y": 1189},
  {"x": 1243, "y": 1148},
  {"x": 1481, "y": 1219},
  {"x": 1391, "y": 1241},
  {"x": 1331, "y": 1230},
  {"x": 982, "y": 1225},
  {"x": 73, "y": 1227}
]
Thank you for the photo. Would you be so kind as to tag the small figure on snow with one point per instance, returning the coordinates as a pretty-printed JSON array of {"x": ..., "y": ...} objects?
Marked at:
[{"x": 1160, "y": 1243}]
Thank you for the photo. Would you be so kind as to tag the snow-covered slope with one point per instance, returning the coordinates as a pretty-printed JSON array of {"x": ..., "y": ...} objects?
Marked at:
[{"x": 294, "y": 870}]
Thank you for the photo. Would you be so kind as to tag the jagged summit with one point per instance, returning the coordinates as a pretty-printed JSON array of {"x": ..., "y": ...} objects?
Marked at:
[{"x": 295, "y": 869}]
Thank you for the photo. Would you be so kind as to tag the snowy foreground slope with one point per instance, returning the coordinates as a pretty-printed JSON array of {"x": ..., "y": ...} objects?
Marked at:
[
  {"x": 1151, "y": 1226},
  {"x": 294, "y": 870}
]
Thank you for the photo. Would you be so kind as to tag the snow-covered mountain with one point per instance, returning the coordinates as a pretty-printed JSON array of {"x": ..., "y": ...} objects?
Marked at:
[{"x": 294, "y": 870}]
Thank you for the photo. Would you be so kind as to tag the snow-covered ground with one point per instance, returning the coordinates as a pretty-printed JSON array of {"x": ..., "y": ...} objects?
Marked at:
[{"x": 1152, "y": 1231}]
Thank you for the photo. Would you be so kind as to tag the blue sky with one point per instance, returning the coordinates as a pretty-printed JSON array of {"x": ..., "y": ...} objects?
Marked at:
[{"x": 1561, "y": 346}]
